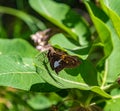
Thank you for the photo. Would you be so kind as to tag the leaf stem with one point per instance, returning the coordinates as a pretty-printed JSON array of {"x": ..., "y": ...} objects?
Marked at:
[
  {"x": 108, "y": 88},
  {"x": 98, "y": 102},
  {"x": 116, "y": 97},
  {"x": 103, "y": 100},
  {"x": 105, "y": 74}
]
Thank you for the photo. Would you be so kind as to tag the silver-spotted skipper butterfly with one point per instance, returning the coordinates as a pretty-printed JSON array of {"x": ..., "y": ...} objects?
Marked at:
[{"x": 60, "y": 60}]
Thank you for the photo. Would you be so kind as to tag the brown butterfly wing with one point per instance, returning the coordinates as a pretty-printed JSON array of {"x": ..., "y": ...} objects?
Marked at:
[
  {"x": 67, "y": 62},
  {"x": 63, "y": 61},
  {"x": 71, "y": 61}
]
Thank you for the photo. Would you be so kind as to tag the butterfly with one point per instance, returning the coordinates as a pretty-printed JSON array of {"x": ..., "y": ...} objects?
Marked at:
[{"x": 60, "y": 60}]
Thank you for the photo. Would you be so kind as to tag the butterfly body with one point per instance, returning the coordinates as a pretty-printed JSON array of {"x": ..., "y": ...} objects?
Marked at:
[{"x": 60, "y": 60}]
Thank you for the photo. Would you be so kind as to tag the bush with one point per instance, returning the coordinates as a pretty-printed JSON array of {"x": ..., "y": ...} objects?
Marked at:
[{"x": 93, "y": 85}]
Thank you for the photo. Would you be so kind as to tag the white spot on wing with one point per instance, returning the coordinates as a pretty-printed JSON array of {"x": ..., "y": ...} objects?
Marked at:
[{"x": 57, "y": 63}]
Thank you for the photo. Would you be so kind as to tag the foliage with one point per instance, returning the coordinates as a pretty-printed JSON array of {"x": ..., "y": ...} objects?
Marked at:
[{"x": 93, "y": 85}]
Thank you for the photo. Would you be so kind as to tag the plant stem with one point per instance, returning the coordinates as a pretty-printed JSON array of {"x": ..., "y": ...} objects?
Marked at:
[
  {"x": 88, "y": 100},
  {"x": 105, "y": 74},
  {"x": 108, "y": 88}
]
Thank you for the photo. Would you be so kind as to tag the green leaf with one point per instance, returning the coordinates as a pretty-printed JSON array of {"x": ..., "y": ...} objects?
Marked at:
[
  {"x": 112, "y": 9},
  {"x": 31, "y": 21},
  {"x": 112, "y": 64},
  {"x": 101, "y": 92},
  {"x": 62, "y": 16},
  {"x": 88, "y": 73},
  {"x": 20, "y": 72},
  {"x": 70, "y": 78},
  {"x": 17, "y": 47},
  {"x": 66, "y": 43},
  {"x": 39, "y": 102},
  {"x": 109, "y": 39},
  {"x": 17, "y": 72},
  {"x": 112, "y": 105},
  {"x": 69, "y": 46},
  {"x": 50, "y": 76},
  {"x": 101, "y": 27}
]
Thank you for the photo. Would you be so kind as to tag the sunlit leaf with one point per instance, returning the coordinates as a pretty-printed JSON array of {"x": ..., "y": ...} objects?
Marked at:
[
  {"x": 17, "y": 72},
  {"x": 17, "y": 47},
  {"x": 112, "y": 9},
  {"x": 101, "y": 27},
  {"x": 69, "y": 46},
  {"x": 112, "y": 105},
  {"x": 67, "y": 19}
]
